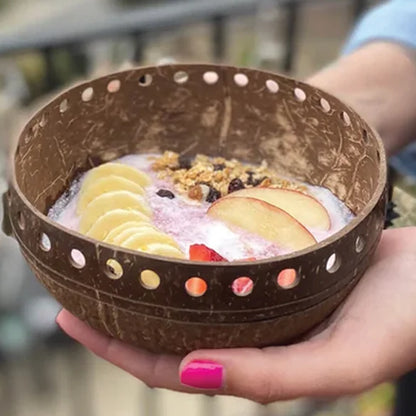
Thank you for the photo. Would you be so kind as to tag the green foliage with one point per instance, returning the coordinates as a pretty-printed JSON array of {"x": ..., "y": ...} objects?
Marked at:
[
  {"x": 33, "y": 68},
  {"x": 376, "y": 402}
]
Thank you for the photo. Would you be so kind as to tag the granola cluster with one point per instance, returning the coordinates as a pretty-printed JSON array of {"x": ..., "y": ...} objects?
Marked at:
[{"x": 209, "y": 178}]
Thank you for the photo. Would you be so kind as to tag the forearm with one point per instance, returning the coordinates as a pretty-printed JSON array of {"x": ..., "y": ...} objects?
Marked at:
[{"x": 379, "y": 81}]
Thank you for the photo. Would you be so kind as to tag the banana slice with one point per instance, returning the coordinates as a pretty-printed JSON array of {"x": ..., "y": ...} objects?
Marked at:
[
  {"x": 117, "y": 169},
  {"x": 113, "y": 234},
  {"x": 127, "y": 233},
  {"x": 163, "y": 250},
  {"x": 113, "y": 219},
  {"x": 141, "y": 239},
  {"x": 110, "y": 201},
  {"x": 103, "y": 185}
]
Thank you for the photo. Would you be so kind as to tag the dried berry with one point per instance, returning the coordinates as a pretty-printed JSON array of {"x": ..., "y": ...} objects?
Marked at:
[
  {"x": 213, "y": 194},
  {"x": 185, "y": 162},
  {"x": 165, "y": 193},
  {"x": 250, "y": 179},
  {"x": 219, "y": 166},
  {"x": 235, "y": 185}
]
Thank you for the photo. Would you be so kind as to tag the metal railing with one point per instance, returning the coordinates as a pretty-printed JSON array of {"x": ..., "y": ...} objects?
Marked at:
[{"x": 106, "y": 21}]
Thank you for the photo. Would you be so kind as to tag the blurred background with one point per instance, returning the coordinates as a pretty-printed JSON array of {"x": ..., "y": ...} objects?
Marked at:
[{"x": 46, "y": 45}]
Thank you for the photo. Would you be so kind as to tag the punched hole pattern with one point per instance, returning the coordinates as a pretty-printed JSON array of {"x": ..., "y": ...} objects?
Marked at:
[
  {"x": 145, "y": 80},
  {"x": 149, "y": 279},
  {"x": 242, "y": 286},
  {"x": 326, "y": 107},
  {"x": 114, "y": 86},
  {"x": 359, "y": 244},
  {"x": 272, "y": 86},
  {"x": 21, "y": 222},
  {"x": 333, "y": 263},
  {"x": 241, "y": 80},
  {"x": 77, "y": 258},
  {"x": 210, "y": 77},
  {"x": 45, "y": 242},
  {"x": 87, "y": 94},
  {"x": 300, "y": 95},
  {"x": 288, "y": 279},
  {"x": 181, "y": 77},
  {"x": 113, "y": 269},
  {"x": 63, "y": 106},
  {"x": 196, "y": 287},
  {"x": 346, "y": 118}
]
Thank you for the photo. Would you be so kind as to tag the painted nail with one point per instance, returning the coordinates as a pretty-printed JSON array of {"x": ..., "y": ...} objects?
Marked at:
[
  {"x": 203, "y": 375},
  {"x": 57, "y": 317}
]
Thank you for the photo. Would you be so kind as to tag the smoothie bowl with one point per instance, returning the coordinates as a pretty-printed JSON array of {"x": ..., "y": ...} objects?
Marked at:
[{"x": 197, "y": 206}]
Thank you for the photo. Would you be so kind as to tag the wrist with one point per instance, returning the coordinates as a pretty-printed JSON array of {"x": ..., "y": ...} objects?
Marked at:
[{"x": 381, "y": 92}]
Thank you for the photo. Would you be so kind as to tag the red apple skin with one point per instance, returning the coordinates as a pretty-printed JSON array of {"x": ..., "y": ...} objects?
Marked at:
[
  {"x": 314, "y": 214},
  {"x": 263, "y": 219}
]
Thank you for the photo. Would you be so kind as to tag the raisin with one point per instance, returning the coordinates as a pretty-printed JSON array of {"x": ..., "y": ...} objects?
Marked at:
[
  {"x": 213, "y": 194},
  {"x": 219, "y": 166},
  {"x": 165, "y": 193},
  {"x": 185, "y": 162},
  {"x": 235, "y": 185},
  {"x": 250, "y": 180}
]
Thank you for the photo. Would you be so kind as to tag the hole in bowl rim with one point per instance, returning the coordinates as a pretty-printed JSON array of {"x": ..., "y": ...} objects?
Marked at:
[
  {"x": 142, "y": 277},
  {"x": 42, "y": 239},
  {"x": 231, "y": 71},
  {"x": 21, "y": 220},
  {"x": 113, "y": 273},
  {"x": 145, "y": 80},
  {"x": 334, "y": 262},
  {"x": 73, "y": 251}
]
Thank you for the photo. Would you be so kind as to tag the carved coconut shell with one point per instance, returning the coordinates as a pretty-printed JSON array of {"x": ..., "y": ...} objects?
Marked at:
[{"x": 215, "y": 110}]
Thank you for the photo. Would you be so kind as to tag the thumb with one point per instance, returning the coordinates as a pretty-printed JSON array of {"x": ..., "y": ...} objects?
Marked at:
[{"x": 311, "y": 368}]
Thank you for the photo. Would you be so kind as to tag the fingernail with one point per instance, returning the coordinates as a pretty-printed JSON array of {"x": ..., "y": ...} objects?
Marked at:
[
  {"x": 57, "y": 317},
  {"x": 203, "y": 375}
]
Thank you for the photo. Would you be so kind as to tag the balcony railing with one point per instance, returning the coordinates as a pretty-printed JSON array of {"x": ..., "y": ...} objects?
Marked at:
[{"x": 108, "y": 21}]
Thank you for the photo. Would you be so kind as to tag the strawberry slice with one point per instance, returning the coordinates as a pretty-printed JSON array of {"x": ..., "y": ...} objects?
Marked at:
[{"x": 200, "y": 252}]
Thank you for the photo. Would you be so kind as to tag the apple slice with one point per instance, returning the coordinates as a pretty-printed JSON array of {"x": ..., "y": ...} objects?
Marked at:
[
  {"x": 304, "y": 208},
  {"x": 263, "y": 219}
]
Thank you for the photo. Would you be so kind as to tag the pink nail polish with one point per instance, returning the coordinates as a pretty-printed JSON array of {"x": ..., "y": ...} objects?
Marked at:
[
  {"x": 203, "y": 375},
  {"x": 57, "y": 317}
]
